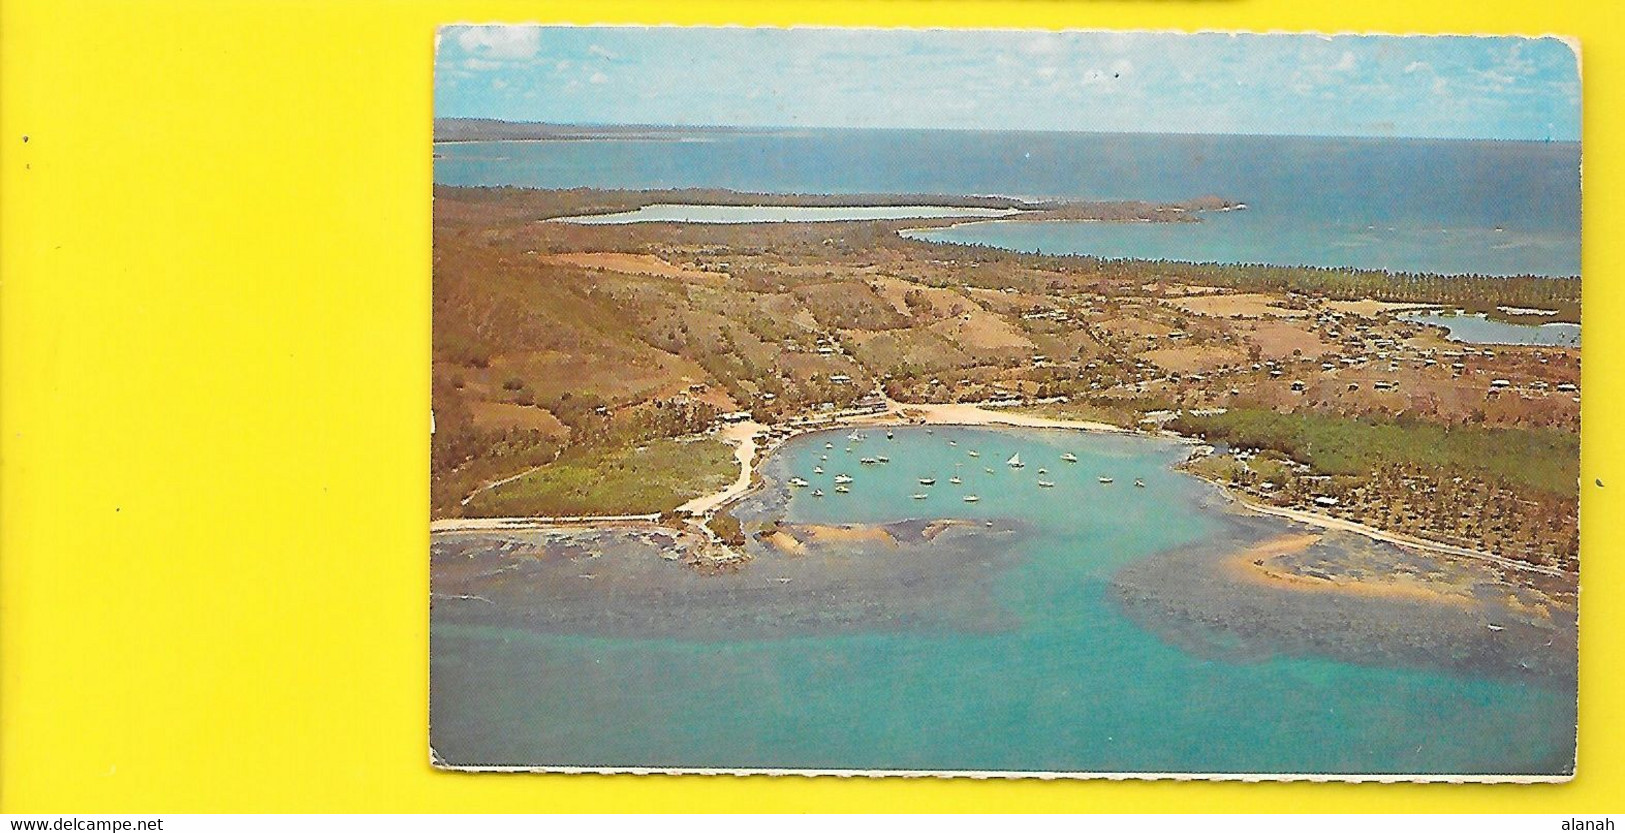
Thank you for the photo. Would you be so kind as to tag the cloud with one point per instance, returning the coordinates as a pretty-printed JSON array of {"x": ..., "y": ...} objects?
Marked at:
[
  {"x": 1345, "y": 63},
  {"x": 601, "y": 52},
  {"x": 599, "y": 78},
  {"x": 1418, "y": 66},
  {"x": 500, "y": 43}
]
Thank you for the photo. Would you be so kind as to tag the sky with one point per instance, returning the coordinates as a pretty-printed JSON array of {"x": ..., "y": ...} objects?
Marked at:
[{"x": 1312, "y": 85}]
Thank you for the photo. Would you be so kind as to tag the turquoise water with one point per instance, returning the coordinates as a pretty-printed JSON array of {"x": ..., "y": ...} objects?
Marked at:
[
  {"x": 1479, "y": 329},
  {"x": 1065, "y": 682},
  {"x": 1451, "y": 207},
  {"x": 778, "y": 214}
]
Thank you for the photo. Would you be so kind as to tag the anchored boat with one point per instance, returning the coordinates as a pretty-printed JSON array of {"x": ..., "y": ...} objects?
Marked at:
[{"x": 1014, "y": 461}]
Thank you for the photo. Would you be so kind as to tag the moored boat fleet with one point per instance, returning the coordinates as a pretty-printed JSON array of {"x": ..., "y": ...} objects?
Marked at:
[{"x": 842, "y": 481}]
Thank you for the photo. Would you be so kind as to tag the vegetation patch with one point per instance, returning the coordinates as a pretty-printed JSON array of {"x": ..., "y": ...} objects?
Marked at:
[
  {"x": 614, "y": 480},
  {"x": 1544, "y": 460}
]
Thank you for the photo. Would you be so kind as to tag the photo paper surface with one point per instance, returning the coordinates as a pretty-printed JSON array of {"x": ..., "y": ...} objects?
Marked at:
[{"x": 1005, "y": 403}]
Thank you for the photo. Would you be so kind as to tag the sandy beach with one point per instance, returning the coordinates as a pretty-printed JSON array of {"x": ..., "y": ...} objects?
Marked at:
[{"x": 1260, "y": 565}]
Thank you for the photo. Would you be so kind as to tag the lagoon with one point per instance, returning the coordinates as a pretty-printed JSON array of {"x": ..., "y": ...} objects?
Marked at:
[
  {"x": 1027, "y": 645},
  {"x": 666, "y": 213},
  {"x": 1477, "y": 328}
]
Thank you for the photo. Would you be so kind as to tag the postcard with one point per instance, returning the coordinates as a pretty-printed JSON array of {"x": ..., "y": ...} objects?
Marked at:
[{"x": 1005, "y": 403}]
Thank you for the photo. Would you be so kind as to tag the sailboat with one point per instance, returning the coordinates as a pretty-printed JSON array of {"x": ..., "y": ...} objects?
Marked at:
[
  {"x": 1070, "y": 457},
  {"x": 1014, "y": 461},
  {"x": 818, "y": 469},
  {"x": 1138, "y": 483},
  {"x": 843, "y": 478},
  {"x": 818, "y": 492},
  {"x": 843, "y": 489}
]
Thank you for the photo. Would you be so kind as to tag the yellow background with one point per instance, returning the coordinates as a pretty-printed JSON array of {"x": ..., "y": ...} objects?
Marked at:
[{"x": 215, "y": 343}]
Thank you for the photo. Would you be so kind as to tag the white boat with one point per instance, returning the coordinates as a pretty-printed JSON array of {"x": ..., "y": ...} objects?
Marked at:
[
  {"x": 843, "y": 478},
  {"x": 849, "y": 449},
  {"x": 1046, "y": 484},
  {"x": 955, "y": 480},
  {"x": 818, "y": 492},
  {"x": 974, "y": 453},
  {"x": 1495, "y": 627},
  {"x": 843, "y": 489},
  {"x": 989, "y": 471},
  {"x": 1138, "y": 483},
  {"x": 824, "y": 457},
  {"x": 856, "y": 437},
  {"x": 1070, "y": 457},
  {"x": 971, "y": 498},
  {"x": 829, "y": 445},
  {"x": 883, "y": 458},
  {"x": 921, "y": 496},
  {"x": 818, "y": 469},
  {"x": 798, "y": 482},
  {"x": 889, "y": 434},
  {"x": 928, "y": 481},
  {"x": 1043, "y": 471},
  {"x": 1014, "y": 461},
  {"x": 1104, "y": 479},
  {"x": 953, "y": 442},
  {"x": 868, "y": 461}
]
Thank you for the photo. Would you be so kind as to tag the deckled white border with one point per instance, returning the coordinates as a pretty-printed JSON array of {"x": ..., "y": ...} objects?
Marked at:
[{"x": 1572, "y": 42}]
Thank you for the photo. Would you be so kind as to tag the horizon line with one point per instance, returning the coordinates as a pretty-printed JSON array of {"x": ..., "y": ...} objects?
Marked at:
[{"x": 899, "y": 128}]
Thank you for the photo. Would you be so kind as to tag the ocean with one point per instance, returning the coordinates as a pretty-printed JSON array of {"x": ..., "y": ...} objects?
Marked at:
[
  {"x": 1031, "y": 655},
  {"x": 1411, "y": 205}
]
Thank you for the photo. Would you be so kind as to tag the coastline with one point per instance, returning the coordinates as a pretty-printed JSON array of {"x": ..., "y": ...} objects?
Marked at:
[{"x": 754, "y": 442}]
